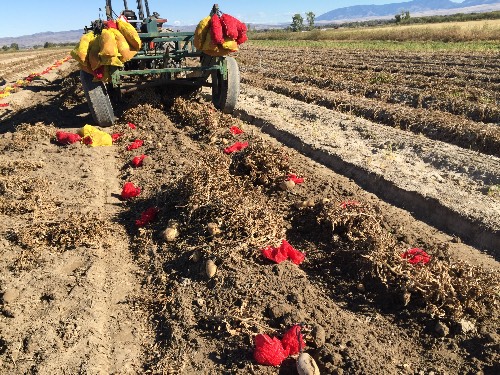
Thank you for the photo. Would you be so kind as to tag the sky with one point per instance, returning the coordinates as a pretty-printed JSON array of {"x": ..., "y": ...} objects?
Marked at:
[{"x": 26, "y": 17}]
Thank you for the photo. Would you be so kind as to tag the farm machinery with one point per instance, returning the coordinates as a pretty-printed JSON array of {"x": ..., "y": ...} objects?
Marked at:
[{"x": 166, "y": 59}]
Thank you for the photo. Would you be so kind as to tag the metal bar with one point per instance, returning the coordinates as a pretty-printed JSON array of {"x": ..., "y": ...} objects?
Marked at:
[
  {"x": 165, "y": 70},
  {"x": 125, "y": 4},
  {"x": 215, "y": 9},
  {"x": 166, "y": 39},
  {"x": 177, "y": 82},
  {"x": 172, "y": 55},
  {"x": 147, "y": 8},
  {"x": 186, "y": 35},
  {"x": 140, "y": 9},
  {"x": 109, "y": 10}
]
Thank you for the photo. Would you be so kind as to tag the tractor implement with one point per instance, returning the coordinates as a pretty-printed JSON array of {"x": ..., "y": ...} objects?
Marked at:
[{"x": 167, "y": 58}]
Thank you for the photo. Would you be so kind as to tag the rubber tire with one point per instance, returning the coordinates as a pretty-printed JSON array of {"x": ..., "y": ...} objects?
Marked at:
[
  {"x": 225, "y": 92},
  {"x": 98, "y": 100}
]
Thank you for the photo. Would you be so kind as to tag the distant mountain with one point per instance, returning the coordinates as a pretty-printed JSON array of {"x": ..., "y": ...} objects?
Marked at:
[
  {"x": 71, "y": 36},
  {"x": 27, "y": 41},
  {"x": 470, "y": 3},
  {"x": 415, "y": 6}
]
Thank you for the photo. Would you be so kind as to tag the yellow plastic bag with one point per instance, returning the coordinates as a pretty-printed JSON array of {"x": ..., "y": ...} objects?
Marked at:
[
  {"x": 79, "y": 53},
  {"x": 208, "y": 47},
  {"x": 108, "y": 47},
  {"x": 230, "y": 44},
  {"x": 123, "y": 47},
  {"x": 201, "y": 32},
  {"x": 112, "y": 61},
  {"x": 98, "y": 137},
  {"x": 93, "y": 61},
  {"x": 213, "y": 49},
  {"x": 130, "y": 34}
]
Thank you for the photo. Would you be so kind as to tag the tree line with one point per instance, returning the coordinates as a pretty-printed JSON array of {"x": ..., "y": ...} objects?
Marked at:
[
  {"x": 15, "y": 46},
  {"x": 301, "y": 24},
  {"x": 298, "y": 22}
]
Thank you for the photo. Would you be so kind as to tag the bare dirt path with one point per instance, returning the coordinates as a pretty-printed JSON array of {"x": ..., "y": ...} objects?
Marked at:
[{"x": 67, "y": 302}]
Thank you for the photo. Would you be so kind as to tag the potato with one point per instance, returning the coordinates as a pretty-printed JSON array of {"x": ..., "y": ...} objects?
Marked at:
[
  {"x": 306, "y": 365},
  {"x": 170, "y": 234},
  {"x": 210, "y": 268},
  {"x": 310, "y": 202}
]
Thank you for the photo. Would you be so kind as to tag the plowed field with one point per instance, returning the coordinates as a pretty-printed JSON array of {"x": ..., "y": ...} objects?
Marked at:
[{"x": 397, "y": 151}]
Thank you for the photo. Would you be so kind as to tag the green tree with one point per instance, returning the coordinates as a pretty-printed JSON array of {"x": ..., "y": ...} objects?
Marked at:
[
  {"x": 404, "y": 16},
  {"x": 310, "y": 19},
  {"x": 297, "y": 23},
  {"x": 5, "y": 48},
  {"x": 14, "y": 46}
]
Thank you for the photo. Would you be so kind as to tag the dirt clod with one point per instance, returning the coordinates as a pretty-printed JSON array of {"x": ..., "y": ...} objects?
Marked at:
[
  {"x": 10, "y": 296},
  {"x": 318, "y": 336}
]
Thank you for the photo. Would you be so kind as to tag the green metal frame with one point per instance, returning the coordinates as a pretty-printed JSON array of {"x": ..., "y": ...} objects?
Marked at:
[{"x": 184, "y": 48}]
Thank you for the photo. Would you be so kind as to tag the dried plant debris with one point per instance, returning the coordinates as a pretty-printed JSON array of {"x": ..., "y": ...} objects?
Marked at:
[
  {"x": 12, "y": 167},
  {"x": 145, "y": 115},
  {"x": 202, "y": 120},
  {"x": 447, "y": 289},
  {"x": 263, "y": 163},
  {"x": 37, "y": 132},
  {"x": 28, "y": 135},
  {"x": 148, "y": 96},
  {"x": 20, "y": 195},
  {"x": 208, "y": 193},
  {"x": 74, "y": 231},
  {"x": 73, "y": 91},
  {"x": 26, "y": 260}
]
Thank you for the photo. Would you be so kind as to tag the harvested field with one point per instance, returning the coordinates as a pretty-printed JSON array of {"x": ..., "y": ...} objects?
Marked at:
[
  {"x": 469, "y": 31},
  {"x": 89, "y": 285},
  {"x": 453, "y": 98},
  {"x": 14, "y": 65}
]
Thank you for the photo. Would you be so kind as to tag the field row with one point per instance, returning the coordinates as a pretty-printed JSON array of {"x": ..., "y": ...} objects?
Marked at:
[
  {"x": 474, "y": 78},
  {"x": 428, "y": 63},
  {"x": 442, "y": 108},
  {"x": 12, "y": 65}
]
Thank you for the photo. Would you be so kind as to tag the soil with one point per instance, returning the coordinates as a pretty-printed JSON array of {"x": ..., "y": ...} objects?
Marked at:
[{"x": 85, "y": 290}]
